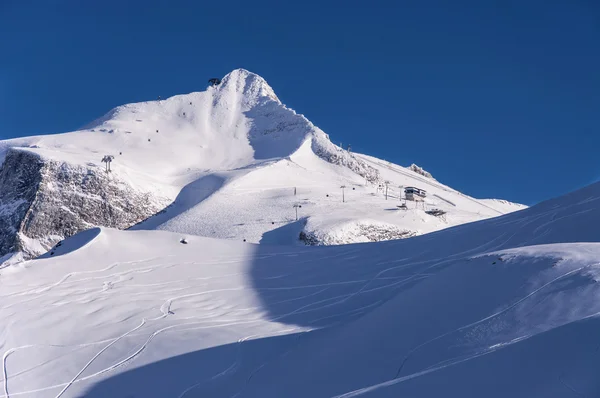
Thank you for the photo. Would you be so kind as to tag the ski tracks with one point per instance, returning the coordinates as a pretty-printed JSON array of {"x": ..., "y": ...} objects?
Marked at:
[
  {"x": 513, "y": 305},
  {"x": 311, "y": 301},
  {"x": 96, "y": 356}
]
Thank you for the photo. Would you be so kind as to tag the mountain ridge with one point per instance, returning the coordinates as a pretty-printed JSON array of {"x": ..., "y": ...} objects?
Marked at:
[{"x": 161, "y": 147}]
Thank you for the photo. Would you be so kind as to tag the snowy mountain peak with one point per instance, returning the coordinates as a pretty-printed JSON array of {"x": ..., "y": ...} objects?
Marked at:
[
  {"x": 250, "y": 85},
  {"x": 229, "y": 159}
]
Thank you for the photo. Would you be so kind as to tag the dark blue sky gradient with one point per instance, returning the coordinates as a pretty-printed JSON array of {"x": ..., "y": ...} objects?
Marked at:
[{"x": 495, "y": 98}]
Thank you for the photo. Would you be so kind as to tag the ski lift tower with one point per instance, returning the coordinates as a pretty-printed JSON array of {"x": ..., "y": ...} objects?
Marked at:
[{"x": 402, "y": 200}]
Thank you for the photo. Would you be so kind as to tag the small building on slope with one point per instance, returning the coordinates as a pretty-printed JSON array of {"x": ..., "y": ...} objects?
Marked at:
[{"x": 415, "y": 194}]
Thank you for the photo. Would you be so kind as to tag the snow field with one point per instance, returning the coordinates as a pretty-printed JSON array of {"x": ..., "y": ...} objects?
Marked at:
[{"x": 473, "y": 310}]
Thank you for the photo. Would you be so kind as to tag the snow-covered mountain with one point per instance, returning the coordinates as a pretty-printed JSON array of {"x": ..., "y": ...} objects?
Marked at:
[
  {"x": 505, "y": 307},
  {"x": 229, "y": 162}
]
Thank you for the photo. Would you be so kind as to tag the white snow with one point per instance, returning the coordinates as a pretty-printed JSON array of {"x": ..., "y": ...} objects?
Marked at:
[
  {"x": 502, "y": 205},
  {"x": 470, "y": 311},
  {"x": 505, "y": 306},
  {"x": 230, "y": 159}
]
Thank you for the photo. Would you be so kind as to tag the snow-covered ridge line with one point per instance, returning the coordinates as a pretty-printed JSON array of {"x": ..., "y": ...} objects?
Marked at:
[
  {"x": 195, "y": 152},
  {"x": 264, "y": 103}
]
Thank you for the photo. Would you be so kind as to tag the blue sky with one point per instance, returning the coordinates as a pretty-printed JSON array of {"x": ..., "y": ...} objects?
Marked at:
[{"x": 495, "y": 98}]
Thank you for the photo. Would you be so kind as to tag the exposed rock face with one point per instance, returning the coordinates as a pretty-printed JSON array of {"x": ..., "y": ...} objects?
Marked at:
[
  {"x": 43, "y": 201},
  {"x": 333, "y": 154},
  {"x": 420, "y": 170},
  {"x": 358, "y": 232},
  {"x": 20, "y": 178}
]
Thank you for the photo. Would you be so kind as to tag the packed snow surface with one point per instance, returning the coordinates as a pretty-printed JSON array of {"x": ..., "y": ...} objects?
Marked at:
[{"x": 505, "y": 307}]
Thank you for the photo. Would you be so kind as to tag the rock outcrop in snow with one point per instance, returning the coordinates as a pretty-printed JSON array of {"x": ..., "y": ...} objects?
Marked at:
[
  {"x": 420, "y": 170},
  {"x": 43, "y": 201},
  {"x": 361, "y": 231},
  {"x": 326, "y": 150}
]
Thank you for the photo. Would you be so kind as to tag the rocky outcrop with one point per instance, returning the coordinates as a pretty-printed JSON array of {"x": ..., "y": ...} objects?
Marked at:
[
  {"x": 327, "y": 151},
  {"x": 420, "y": 170},
  {"x": 20, "y": 177},
  {"x": 355, "y": 232},
  {"x": 43, "y": 201}
]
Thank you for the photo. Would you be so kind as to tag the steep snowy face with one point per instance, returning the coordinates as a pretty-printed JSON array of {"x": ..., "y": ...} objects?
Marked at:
[
  {"x": 245, "y": 101},
  {"x": 252, "y": 88}
]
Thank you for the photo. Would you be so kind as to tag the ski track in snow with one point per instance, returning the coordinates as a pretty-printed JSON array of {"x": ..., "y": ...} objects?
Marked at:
[
  {"x": 199, "y": 323},
  {"x": 513, "y": 305},
  {"x": 165, "y": 308},
  {"x": 323, "y": 301},
  {"x": 96, "y": 356},
  {"x": 442, "y": 365},
  {"x": 231, "y": 369}
]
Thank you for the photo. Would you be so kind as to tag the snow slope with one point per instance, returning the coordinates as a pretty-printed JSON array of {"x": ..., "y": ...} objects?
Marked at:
[
  {"x": 503, "y": 205},
  {"x": 501, "y": 307},
  {"x": 230, "y": 159},
  {"x": 254, "y": 200}
]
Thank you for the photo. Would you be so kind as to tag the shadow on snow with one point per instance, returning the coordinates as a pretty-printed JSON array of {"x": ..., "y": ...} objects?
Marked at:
[{"x": 315, "y": 289}]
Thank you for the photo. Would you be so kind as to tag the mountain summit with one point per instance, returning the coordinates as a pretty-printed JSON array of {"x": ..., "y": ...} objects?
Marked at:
[
  {"x": 252, "y": 86},
  {"x": 231, "y": 161}
]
